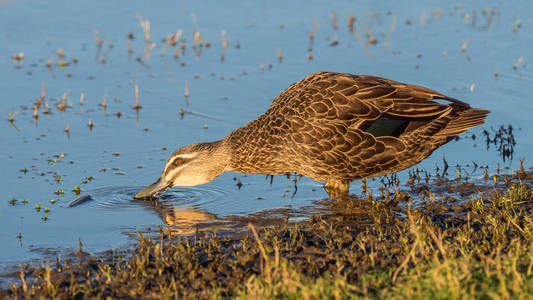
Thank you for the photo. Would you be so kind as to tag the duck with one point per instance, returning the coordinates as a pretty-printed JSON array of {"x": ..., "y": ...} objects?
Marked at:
[{"x": 330, "y": 127}]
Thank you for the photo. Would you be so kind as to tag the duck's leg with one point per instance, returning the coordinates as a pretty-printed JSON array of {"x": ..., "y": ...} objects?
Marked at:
[{"x": 337, "y": 188}]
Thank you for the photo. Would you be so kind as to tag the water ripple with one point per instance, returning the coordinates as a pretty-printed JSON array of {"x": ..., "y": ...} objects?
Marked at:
[{"x": 122, "y": 197}]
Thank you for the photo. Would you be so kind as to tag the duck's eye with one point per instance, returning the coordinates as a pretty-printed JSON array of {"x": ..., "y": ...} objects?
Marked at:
[{"x": 178, "y": 162}]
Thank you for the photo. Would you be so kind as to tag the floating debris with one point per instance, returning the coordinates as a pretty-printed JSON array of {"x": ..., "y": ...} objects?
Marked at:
[
  {"x": 99, "y": 43},
  {"x": 518, "y": 63},
  {"x": 517, "y": 24},
  {"x": 137, "y": 105},
  {"x": 463, "y": 49},
  {"x": 104, "y": 103},
  {"x": 145, "y": 26},
  {"x": 183, "y": 46},
  {"x": 465, "y": 44},
  {"x": 61, "y": 63},
  {"x": 422, "y": 19},
  {"x": 97, "y": 38},
  {"x": 351, "y": 21},
  {"x": 12, "y": 116},
  {"x": 63, "y": 104},
  {"x": 49, "y": 62},
  {"x": 77, "y": 190},
  {"x": 197, "y": 40},
  {"x": 18, "y": 56},
  {"x": 224, "y": 44},
  {"x": 334, "y": 20}
]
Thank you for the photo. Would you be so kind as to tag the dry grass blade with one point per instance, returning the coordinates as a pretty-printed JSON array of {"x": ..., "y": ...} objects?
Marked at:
[
  {"x": 260, "y": 244},
  {"x": 145, "y": 26}
]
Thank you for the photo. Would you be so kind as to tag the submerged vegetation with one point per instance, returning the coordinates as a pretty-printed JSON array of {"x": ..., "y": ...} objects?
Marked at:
[{"x": 370, "y": 247}]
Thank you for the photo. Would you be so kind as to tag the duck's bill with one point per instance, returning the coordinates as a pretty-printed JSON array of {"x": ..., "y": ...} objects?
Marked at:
[{"x": 154, "y": 189}]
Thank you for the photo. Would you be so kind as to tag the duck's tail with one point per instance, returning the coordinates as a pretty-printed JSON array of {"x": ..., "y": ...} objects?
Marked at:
[{"x": 462, "y": 121}]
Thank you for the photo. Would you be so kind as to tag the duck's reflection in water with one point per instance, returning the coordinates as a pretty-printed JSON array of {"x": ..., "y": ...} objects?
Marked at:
[
  {"x": 187, "y": 219},
  {"x": 180, "y": 218}
]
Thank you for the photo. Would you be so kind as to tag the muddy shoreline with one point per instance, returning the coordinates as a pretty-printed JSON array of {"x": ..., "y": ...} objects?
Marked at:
[{"x": 358, "y": 247}]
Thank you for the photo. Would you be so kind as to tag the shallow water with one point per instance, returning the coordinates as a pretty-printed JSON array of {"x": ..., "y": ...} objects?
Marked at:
[{"x": 121, "y": 155}]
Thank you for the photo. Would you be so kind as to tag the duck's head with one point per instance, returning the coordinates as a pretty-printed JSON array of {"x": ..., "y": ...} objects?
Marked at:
[{"x": 190, "y": 165}]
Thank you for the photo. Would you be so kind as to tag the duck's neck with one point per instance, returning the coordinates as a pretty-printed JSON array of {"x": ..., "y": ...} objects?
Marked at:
[{"x": 253, "y": 150}]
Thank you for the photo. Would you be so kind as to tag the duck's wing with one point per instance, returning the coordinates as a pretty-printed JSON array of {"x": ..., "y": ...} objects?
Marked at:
[{"x": 351, "y": 98}]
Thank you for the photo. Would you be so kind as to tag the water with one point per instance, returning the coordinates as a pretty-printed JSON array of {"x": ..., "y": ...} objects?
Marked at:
[{"x": 119, "y": 156}]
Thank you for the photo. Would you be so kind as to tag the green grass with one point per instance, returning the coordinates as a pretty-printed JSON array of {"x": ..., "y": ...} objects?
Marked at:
[{"x": 437, "y": 266}]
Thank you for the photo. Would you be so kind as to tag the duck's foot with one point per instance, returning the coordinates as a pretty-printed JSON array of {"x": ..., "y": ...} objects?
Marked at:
[{"x": 337, "y": 188}]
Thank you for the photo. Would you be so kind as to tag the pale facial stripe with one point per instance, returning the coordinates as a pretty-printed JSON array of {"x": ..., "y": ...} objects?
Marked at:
[
  {"x": 187, "y": 155},
  {"x": 172, "y": 173}
]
